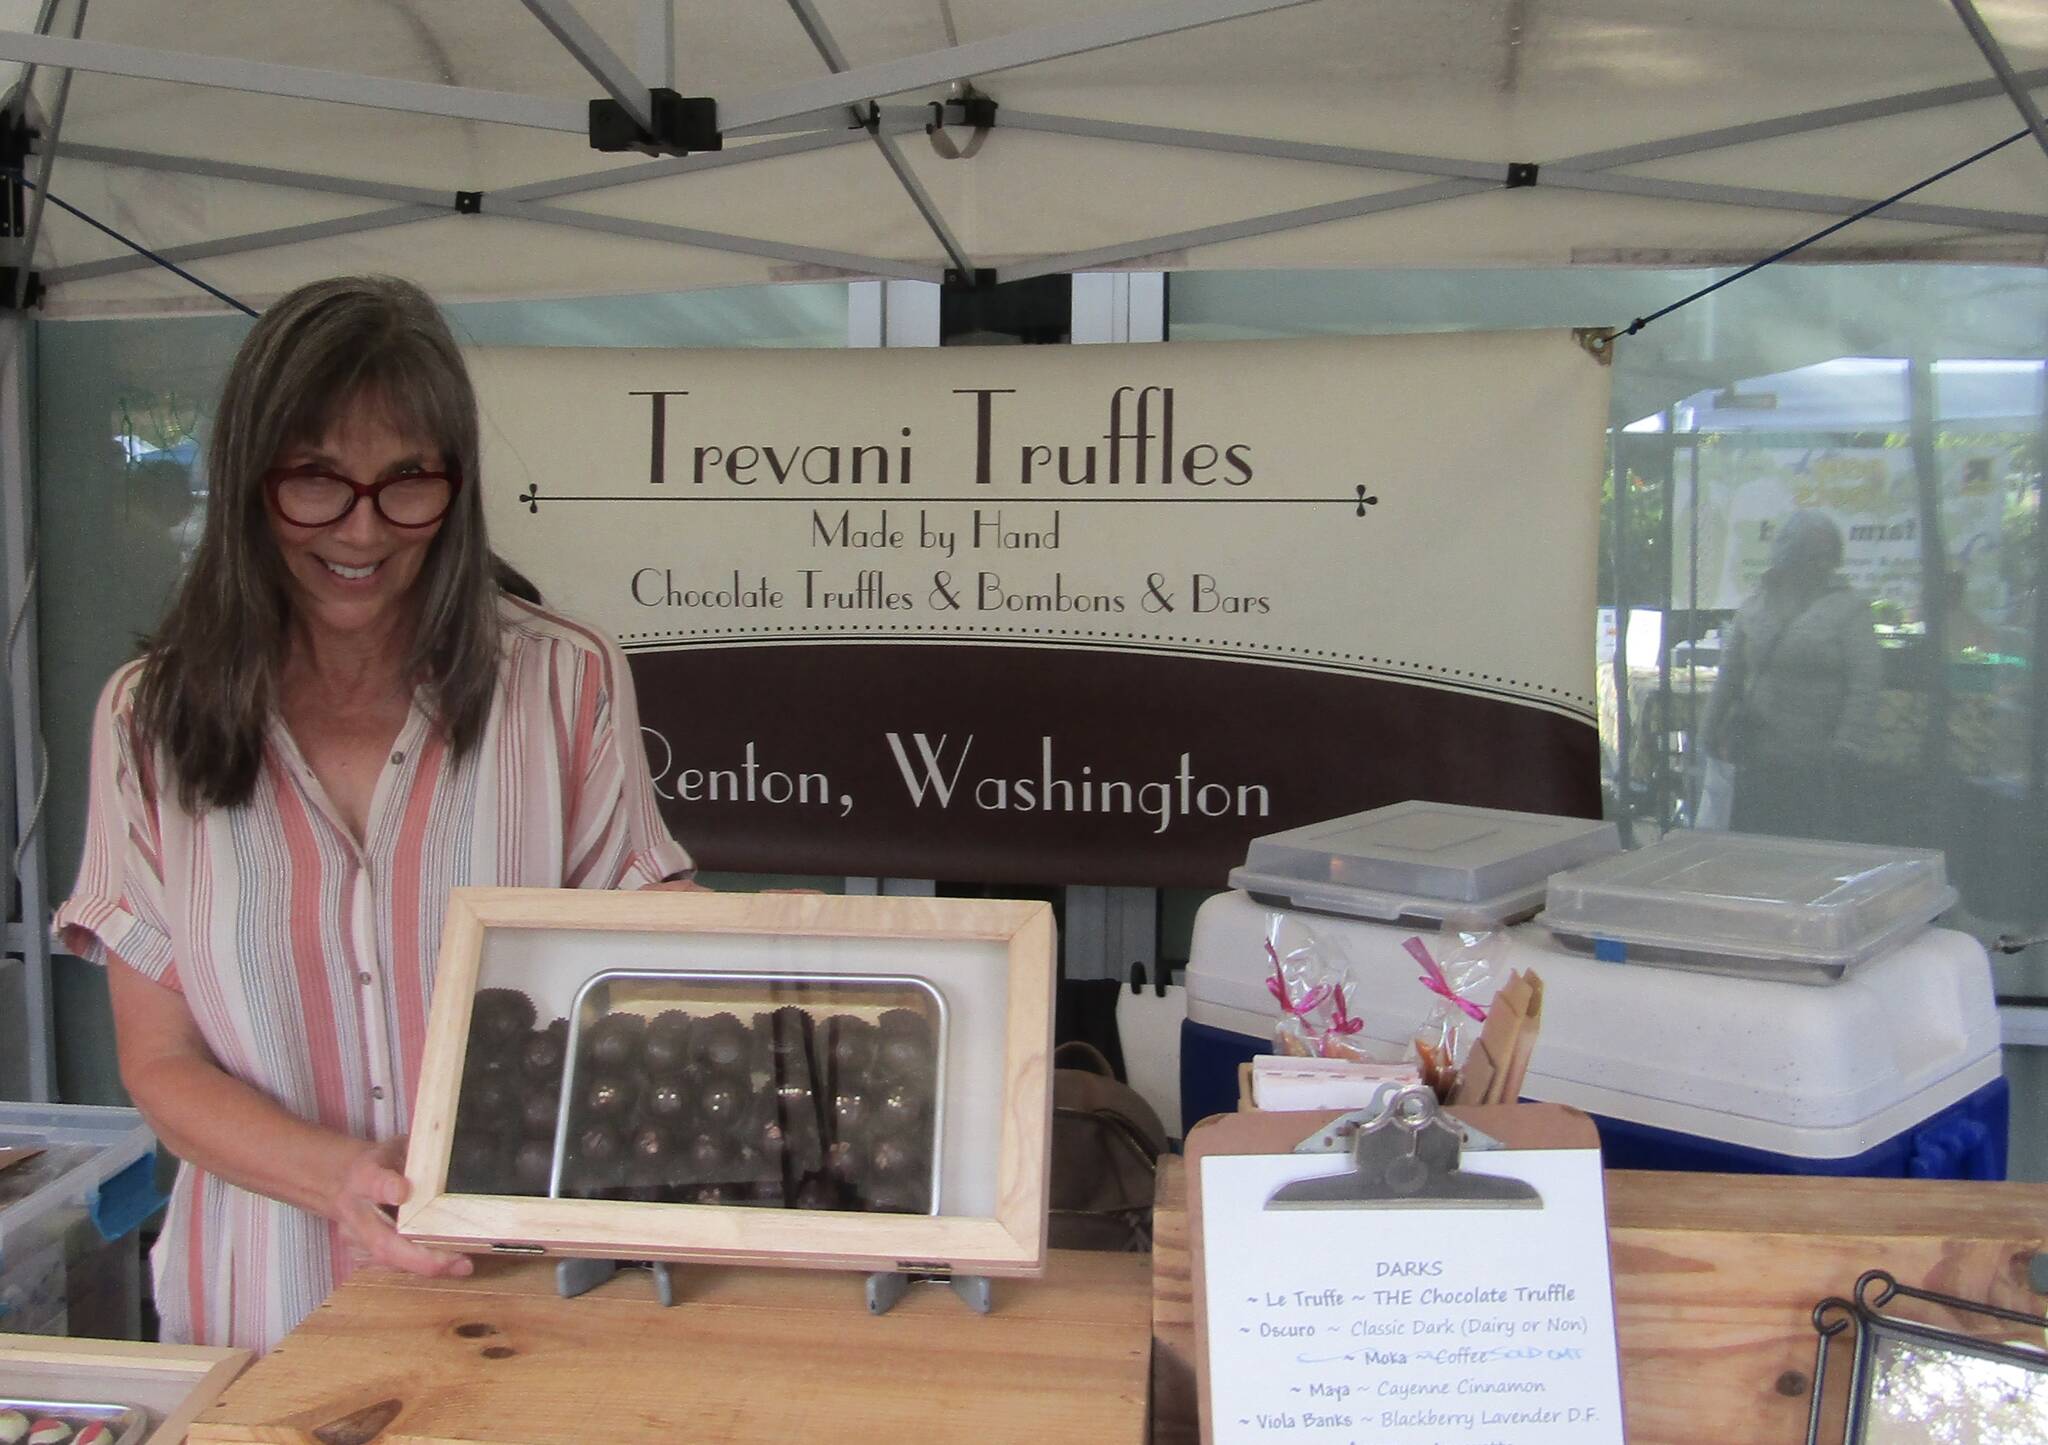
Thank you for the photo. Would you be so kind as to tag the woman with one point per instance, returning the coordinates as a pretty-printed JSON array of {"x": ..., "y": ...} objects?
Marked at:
[
  {"x": 342, "y": 717},
  {"x": 1797, "y": 687}
]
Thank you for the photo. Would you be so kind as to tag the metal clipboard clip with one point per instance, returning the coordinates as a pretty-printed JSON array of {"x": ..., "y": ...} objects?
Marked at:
[{"x": 1404, "y": 1155}]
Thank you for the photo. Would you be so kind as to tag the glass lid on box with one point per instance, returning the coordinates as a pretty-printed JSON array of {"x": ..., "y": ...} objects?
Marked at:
[
  {"x": 1421, "y": 862},
  {"x": 1796, "y": 908}
]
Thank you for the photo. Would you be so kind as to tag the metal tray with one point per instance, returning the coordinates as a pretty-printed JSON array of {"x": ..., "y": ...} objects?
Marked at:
[
  {"x": 126, "y": 1424},
  {"x": 641, "y": 990}
]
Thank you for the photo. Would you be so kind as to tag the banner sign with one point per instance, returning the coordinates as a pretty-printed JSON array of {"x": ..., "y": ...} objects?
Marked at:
[
  {"x": 1069, "y": 614},
  {"x": 1746, "y": 489}
]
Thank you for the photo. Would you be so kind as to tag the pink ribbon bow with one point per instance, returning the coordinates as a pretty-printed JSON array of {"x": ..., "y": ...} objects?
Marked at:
[
  {"x": 1277, "y": 986},
  {"x": 1342, "y": 1024},
  {"x": 1433, "y": 979}
]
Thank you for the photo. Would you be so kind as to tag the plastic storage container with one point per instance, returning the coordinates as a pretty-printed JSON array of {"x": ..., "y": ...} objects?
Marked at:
[
  {"x": 1417, "y": 862},
  {"x": 69, "y": 1262},
  {"x": 1893, "y": 1071},
  {"x": 1795, "y": 909}
]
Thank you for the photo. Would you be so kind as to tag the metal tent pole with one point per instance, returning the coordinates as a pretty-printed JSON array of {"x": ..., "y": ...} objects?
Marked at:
[{"x": 31, "y": 939}]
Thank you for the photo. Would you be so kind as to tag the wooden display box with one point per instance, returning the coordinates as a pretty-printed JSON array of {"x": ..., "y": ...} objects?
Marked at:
[
  {"x": 825, "y": 1082},
  {"x": 172, "y": 1382}
]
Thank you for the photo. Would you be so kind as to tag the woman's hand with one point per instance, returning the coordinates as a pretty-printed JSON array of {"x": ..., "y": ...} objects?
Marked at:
[
  {"x": 370, "y": 1185},
  {"x": 677, "y": 885}
]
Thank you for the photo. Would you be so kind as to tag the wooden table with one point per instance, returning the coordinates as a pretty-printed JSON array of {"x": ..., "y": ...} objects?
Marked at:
[
  {"x": 744, "y": 1355},
  {"x": 1715, "y": 1279}
]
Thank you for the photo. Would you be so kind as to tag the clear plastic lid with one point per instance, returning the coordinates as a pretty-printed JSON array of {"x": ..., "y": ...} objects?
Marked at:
[
  {"x": 1421, "y": 861},
  {"x": 1713, "y": 897}
]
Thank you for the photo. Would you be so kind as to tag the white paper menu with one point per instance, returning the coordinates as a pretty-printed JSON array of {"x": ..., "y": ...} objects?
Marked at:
[{"x": 1410, "y": 1326}]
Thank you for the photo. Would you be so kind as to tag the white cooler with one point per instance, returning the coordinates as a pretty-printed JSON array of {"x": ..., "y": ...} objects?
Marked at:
[{"x": 1892, "y": 1070}]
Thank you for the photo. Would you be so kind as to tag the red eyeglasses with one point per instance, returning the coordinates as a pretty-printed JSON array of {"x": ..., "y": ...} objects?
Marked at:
[{"x": 313, "y": 497}]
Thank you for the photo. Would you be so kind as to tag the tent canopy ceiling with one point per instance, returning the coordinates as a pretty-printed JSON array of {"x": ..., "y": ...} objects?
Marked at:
[{"x": 1248, "y": 133}]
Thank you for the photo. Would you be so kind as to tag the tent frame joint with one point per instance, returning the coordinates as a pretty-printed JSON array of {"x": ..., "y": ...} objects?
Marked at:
[
  {"x": 469, "y": 203},
  {"x": 1521, "y": 174},
  {"x": 683, "y": 125},
  {"x": 1597, "y": 342},
  {"x": 967, "y": 106},
  {"x": 17, "y": 296},
  {"x": 981, "y": 278}
]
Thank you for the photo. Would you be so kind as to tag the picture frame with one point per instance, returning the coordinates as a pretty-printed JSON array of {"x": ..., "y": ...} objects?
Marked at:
[
  {"x": 1979, "y": 1377},
  {"x": 992, "y": 961},
  {"x": 175, "y": 1383}
]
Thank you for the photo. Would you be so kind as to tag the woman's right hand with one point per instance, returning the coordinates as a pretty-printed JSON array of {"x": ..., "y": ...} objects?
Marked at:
[{"x": 371, "y": 1184}]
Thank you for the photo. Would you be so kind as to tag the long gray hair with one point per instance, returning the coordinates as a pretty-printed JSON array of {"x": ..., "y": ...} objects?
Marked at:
[{"x": 210, "y": 675}]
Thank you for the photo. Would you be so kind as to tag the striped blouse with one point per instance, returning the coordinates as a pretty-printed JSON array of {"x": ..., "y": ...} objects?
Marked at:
[{"x": 308, "y": 960}]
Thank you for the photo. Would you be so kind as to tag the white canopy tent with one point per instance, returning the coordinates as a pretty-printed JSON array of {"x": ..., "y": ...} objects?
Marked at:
[
  {"x": 260, "y": 145},
  {"x": 263, "y": 144}
]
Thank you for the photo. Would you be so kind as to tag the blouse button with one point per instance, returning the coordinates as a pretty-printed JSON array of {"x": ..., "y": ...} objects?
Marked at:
[
  {"x": 363, "y": 979},
  {"x": 398, "y": 757},
  {"x": 377, "y": 1092}
]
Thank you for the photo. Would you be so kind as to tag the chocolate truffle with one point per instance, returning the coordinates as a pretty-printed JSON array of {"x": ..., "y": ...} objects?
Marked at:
[
  {"x": 668, "y": 1102},
  {"x": 94, "y": 1433},
  {"x": 530, "y": 1166},
  {"x": 13, "y": 1427},
  {"x": 500, "y": 1015},
  {"x": 905, "y": 1051},
  {"x": 544, "y": 1048},
  {"x": 850, "y": 1114},
  {"x": 721, "y": 1104},
  {"x": 537, "y": 1116},
  {"x": 477, "y": 1162},
  {"x": 608, "y": 1097},
  {"x": 900, "y": 1107},
  {"x": 600, "y": 1153},
  {"x": 667, "y": 1049},
  {"x": 614, "y": 1041},
  {"x": 720, "y": 1044},
  {"x": 48, "y": 1431},
  {"x": 652, "y": 1150},
  {"x": 490, "y": 1098},
  {"x": 849, "y": 1046},
  {"x": 710, "y": 1157},
  {"x": 892, "y": 1156}
]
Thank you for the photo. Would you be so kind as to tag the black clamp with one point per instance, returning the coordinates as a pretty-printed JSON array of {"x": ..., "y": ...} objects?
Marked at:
[
  {"x": 1521, "y": 174},
  {"x": 970, "y": 108},
  {"x": 469, "y": 203},
  {"x": 981, "y": 278},
  {"x": 683, "y": 125}
]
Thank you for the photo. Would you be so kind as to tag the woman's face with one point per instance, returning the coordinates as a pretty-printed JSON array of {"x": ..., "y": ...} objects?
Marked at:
[{"x": 355, "y": 576}]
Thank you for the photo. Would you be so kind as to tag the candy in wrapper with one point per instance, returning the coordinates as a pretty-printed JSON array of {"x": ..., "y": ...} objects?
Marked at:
[{"x": 1467, "y": 969}]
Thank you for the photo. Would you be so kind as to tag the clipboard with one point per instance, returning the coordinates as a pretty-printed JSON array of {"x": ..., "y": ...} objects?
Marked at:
[{"x": 1441, "y": 1184}]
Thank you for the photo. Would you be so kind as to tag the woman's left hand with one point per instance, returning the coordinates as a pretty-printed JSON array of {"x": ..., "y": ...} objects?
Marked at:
[{"x": 371, "y": 1184}]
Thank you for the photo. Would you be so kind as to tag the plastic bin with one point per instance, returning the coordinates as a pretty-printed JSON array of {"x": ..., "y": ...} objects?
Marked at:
[
  {"x": 1796, "y": 909},
  {"x": 1893, "y": 1071},
  {"x": 1421, "y": 862},
  {"x": 69, "y": 1259}
]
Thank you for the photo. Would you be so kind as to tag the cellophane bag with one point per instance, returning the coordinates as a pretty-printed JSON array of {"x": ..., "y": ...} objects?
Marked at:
[{"x": 1463, "y": 967}]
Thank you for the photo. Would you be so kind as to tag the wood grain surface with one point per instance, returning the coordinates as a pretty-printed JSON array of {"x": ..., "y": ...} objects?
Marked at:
[
  {"x": 744, "y": 1356},
  {"x": 1715, "y": 1279}
]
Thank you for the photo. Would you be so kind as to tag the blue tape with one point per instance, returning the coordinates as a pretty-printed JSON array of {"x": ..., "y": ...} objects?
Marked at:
[{"x": 1610, "y": 950}]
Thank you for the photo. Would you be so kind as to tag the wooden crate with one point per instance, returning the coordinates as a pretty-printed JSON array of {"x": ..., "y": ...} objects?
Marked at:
[
  {"x": 993, "y": 961},
  {"x": 173, "y": 1382}
]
